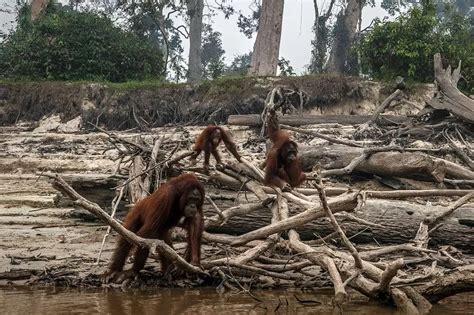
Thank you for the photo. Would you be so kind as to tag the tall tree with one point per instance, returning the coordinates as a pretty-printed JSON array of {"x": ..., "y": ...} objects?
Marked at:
[
  {"x": 212, "y": 53},
  {"x": 267, "y": 45},
  {"x": 195, "y": 11},
  {"x": 155, "y": 21},
  {"x": 344, "y": 33},
  {"x": 37, "y": 6},
  {"x": 320, "y": 42}
]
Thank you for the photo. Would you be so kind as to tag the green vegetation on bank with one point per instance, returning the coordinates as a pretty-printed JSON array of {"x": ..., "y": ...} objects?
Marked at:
[
  {"x": 67, "y": 44},
  {"x": 405, "y": 47},
  {"x": 64, "y": 44}
]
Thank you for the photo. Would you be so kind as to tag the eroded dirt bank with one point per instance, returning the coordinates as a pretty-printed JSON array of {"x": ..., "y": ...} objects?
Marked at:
[{"x": 123, "y": 106}]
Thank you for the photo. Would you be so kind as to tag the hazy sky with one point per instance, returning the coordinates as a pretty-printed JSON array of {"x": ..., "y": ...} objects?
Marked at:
[{"x": 296, "y": 38}]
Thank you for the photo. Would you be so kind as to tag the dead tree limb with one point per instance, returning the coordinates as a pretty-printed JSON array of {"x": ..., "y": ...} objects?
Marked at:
[
  {"x": 422, "y": 236},
  {"x": 342, "y": 203},
  {"x": 449, "y": 97},
  {"x": 322, "y": 136},
  {"x": 115, "y": 204},
  {"x": 388, "y": 274},
  {"x": 337, "y": 227},
  {"x": 394, "y": 96}
]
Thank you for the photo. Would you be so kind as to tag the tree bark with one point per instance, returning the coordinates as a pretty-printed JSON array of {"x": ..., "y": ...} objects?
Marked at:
[
  {"x": 458, "y": 280},
  {"x": 394, "y": 164},
  {"x": 37, "y": 6},
  {"x": 321, "y": 31},
  {"x": 448, "y": 96},
  {"x": 398, "y": 220},
  {"x": 195, "y": 12},
  {"x": 254, "y": 120},
  {"x": 345, "y": 33},
  {"x": 267, "y": 44}
]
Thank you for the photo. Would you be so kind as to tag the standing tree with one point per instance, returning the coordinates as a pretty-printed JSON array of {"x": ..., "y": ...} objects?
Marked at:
[
  {"x": 321, "y": 37},
  {"x": 37, "y": 6},
  {"x": 344, "y": 33},
  {"x": 239, "y": 66},
  {"x": 154, "y": 21},
  {"x": 212, "y": 53},
  {"x": 195, "y": 11},
  {"x": 267, "y": 45}
]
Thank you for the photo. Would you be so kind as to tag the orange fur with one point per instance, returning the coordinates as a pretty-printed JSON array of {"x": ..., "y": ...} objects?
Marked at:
[{"x": 155, "y": 216}]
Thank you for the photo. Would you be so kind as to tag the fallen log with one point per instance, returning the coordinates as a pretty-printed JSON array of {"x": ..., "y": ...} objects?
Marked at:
[
  {"x": 395, "y": 164},
  {"x": 398, "y": 220},
  {"x": 97, "y": 188},
  {"x": 255, "y": 120},
  {"x": 458, "y": 280}
]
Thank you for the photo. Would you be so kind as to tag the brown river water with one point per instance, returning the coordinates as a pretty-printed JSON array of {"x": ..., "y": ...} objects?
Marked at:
[{"x": 197, "y": 301}]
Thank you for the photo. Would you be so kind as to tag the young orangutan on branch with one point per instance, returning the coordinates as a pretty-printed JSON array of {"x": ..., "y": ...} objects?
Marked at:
[
  {"x": 282, "y": 165},
  {"x": 154, "y": 217},
  {"x": 209, "y": 140}
]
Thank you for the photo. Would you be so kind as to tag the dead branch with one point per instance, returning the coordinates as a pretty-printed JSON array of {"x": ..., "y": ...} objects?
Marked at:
[
  {"x": 377, "y": 253},
  {"x": 337, "y": 227},
  {"x": 458, "y": 280},
  {"x": 357, "y": 161},
  {"x": 239, "y": 210},
  {"x": 449, "y": 97},
  {"x": 422, "y": 236},
  {"x": 341, "y": 203},
  {"x": 115, "y": 204},
  {"x": 395, "y": 95},
  {"x": 388, "y": 274},
  {"x": 466, "y": 159},
  {"x": 322, "y": 136},
  {"x": 166, "y": 163}
]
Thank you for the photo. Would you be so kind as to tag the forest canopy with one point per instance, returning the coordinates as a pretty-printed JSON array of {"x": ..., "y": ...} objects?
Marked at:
[
  {"x": 64, "y": 44},
  {"x": 405, "y": 47},
  {"x": 143, "y": 40}
]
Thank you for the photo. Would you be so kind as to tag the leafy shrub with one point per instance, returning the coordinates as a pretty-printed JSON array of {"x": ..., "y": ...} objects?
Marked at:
[
  {"x": 406, "y": 46},
  {"x": 65, "y": 44}
]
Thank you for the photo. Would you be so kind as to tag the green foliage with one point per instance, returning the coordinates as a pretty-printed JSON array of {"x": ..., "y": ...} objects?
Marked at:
[
  {"x": 146, "y": 19},
  {"x": 285, "y": 68},
  {"x": 406, "y": 46},
  {"x": 212, "y": 53},
  {"x": 240, "y": 65},
  {"x": 248, "y": 25},
  {"x": 68, "y": 45}
]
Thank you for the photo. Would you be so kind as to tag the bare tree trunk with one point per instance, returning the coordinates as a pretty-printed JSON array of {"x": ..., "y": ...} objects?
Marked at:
[
  {"x": 448, "y": 96},
  {"x": 37, "y": 6},
  {"x": 346, "y": 27},
  {"x": 320, "y": 29},
  {"x": 195, "y": 11},
  {"x": 267, "y": 45}
]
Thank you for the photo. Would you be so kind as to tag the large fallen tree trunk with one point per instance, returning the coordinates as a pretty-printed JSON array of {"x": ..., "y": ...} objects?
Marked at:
[
  {"x": 449, "y": 97},
  {"x": 299, "y": 120},
  {"x": 396, "y": 164},
  {"x": 397, "y": 221}
]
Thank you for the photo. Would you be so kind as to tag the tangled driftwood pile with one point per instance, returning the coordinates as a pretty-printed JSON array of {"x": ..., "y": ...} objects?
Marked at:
[{"x": 410, "y": 273}]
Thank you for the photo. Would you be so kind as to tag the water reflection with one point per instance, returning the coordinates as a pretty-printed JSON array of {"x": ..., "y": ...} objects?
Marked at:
[{"x": 194, "y": 301}]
